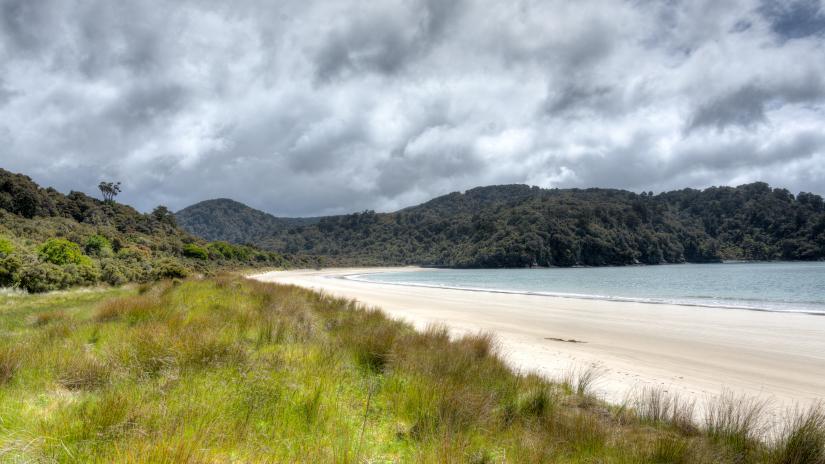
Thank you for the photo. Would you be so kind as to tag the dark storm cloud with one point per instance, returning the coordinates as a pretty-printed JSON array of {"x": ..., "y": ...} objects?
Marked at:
[
  {"x": 377, "y": 40},
  {"x": 743, "y": 107},
  {"x": 794, "y": 19},
  {"x": 304, "y": 108},
  {"x": 746, "y": 106}
]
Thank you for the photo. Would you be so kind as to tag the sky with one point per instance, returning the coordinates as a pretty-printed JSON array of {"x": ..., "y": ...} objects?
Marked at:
[{"x": 304, "y": 108}]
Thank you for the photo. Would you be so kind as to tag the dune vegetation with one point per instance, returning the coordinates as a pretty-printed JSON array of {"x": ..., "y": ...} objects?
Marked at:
[{"x": 230, "y": 370}]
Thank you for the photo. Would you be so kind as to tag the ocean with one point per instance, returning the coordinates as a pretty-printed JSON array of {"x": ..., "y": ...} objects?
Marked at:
[{"x": 760, "y": 286}]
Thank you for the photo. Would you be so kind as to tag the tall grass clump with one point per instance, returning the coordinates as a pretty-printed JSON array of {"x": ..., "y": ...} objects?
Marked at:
[
  {"x": 10, "y": 360},
  {"x": 82, "y": 371},
  {"x": 803, "y": 439},
  {"x": 736, "y": 421},
  {"x": 582, "y": 379},
  {"x": 658, "y": 406}
]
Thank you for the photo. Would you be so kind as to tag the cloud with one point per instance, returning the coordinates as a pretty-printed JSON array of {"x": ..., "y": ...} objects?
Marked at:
[
  {"x": 306, "y": 108},
  {"x": 794, "y": 19},
  {"x": 747, "y": 105}
]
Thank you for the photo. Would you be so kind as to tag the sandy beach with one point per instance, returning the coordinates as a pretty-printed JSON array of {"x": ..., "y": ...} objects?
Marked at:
[{"x": 693, "y": 351}]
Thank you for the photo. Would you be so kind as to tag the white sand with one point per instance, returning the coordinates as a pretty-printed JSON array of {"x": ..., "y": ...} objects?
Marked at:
[{"x": 697, "y": 352}]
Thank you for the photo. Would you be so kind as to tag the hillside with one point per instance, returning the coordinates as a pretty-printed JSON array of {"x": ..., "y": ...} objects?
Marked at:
[
  {"x": 517, "y": 225},
  {"x": 50, "y": 241},
  {"x": 232, "y": 221}
]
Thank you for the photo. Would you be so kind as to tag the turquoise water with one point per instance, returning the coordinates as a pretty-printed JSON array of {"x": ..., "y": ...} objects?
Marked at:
[{"x": 784, "y": 286}]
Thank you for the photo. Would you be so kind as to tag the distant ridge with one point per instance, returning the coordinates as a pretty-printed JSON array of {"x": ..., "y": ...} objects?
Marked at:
[
  {"x": 519, "y": 225},
  {"x": 233, "y": 221}
]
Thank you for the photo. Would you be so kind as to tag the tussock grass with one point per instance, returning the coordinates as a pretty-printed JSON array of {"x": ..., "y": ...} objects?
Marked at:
[
  {"x": 582, "y": 378},
  {"x": 48, "y": 317},
  {"x": 82, "y": 371},
  {"x": 658, "y": 406},
  {"x": 10, "y": 359},
  {"x": 736, "y": 421},
  {"x": 803, "y": 438},
  {"x": 229, "y": 370}
]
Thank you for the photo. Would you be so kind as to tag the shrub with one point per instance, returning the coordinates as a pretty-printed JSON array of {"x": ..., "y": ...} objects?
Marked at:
[
  {"x": 112, "y": 272},
  {"x": 228, "y": 251},
  {"x": 41, "y": 277},
  {"x": 118, "y": 272},
  {"x": 9, "y": 266},
  {"x": 98, "y": 245},
  {"x": 194, "y": 251},
  {"x": 222, "y": 250},
  {"x": 6, "y": 247},
  {"x": 81, "y": 274},
  {"x": 133, "y": 254},
  {"x": 61, "y": 251},
  {"x": 167, "y": 268}
]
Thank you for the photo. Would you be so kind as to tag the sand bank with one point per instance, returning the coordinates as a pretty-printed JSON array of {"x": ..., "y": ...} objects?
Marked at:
[{"x": 694, "y": 351}]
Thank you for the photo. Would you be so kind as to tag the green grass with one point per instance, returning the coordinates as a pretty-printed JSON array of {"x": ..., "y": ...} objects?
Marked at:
[{"x": 230, "y": 370}]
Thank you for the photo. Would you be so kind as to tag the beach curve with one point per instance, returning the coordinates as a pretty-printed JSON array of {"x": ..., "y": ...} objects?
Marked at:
[{"x": 695, "y": 352}]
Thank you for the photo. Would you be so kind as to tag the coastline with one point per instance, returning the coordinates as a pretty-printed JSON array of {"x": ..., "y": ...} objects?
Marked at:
[
  {"x": 357, "y": 277},
  {"x": 693, "y": 351}
]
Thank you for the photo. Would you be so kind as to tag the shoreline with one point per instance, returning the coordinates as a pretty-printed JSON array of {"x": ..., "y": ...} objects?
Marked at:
[
  {"x": 573, "y": 296},
  {"x": 686, "y": 350}
]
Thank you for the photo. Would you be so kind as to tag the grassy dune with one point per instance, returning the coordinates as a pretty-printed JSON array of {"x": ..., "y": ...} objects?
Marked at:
[{"x": 229, "y": 370}]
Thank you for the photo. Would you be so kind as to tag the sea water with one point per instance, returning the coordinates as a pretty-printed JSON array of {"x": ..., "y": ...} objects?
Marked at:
[{"x": 770, "y": 286}]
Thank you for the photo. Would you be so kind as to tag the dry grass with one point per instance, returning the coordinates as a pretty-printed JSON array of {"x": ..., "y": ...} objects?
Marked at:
[
  {"x": 48, "y": 317},
  {"x": 82, "y": 372}
]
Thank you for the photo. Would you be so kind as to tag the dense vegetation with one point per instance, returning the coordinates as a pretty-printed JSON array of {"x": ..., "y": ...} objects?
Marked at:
[
  {"x": 50, "y": 241},
  {"x": 228, "y": 370},
  {"x": 228, "y": 220},
  {"x": 517, "y": 225}
]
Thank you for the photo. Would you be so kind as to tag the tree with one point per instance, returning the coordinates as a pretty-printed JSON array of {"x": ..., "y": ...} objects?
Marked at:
[
  {"x": 162, "y": 214},
  {"x": 109, "y": 190}
]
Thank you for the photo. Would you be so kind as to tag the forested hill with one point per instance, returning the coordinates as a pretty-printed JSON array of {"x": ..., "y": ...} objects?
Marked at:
[
  {"x": 225, "y": 219},
  {"x": 517, "y": 225},
  {"x": 49, "y": 241}
]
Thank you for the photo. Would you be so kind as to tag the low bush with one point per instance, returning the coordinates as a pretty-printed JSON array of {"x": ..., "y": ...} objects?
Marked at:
[
  {"x": 192, "y": 250},
  {"x": 61, "y": 251},
  {"x": 41, "y": 277},
  {"x": 9, "y": 266},
  {"x": 98, "y": 245},
  {"x": 6, "y": 247},
  {"x": 167, "y": 268}
]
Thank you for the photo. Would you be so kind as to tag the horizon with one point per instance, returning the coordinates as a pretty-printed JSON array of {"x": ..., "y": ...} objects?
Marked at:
[{"x": 294, "y": 108}]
